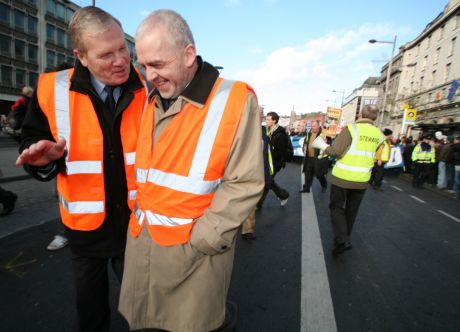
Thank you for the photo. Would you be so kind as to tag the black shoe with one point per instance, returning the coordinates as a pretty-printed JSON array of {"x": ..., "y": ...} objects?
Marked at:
[
  {"x": 8, "y": 206},
  {"x": 338, "y": 249},
  {"x": 377, "y": 188},
  {"x": 304, "y": 191},
  {"x": 248, "y": 236},
  {"x": 348, "y": 246}
]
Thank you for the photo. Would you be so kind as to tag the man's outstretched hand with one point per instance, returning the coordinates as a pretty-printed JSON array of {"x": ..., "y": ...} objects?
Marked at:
[{"x": 42, "y": 153}]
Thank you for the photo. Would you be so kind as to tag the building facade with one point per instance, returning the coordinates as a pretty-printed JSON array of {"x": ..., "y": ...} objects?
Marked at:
[
  {"x": 367, "y": 94},
  {"x": 33, "y": 37},
  {"x": 425, "y": 77}
]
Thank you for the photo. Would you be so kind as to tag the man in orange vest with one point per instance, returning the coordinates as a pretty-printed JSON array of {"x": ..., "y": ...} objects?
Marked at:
[
  {"x": 82, "y": 127},
  {"x": 199, "y": 170}
]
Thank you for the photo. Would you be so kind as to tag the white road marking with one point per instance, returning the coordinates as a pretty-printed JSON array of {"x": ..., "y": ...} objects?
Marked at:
[
  {"x": 417, "y": 199},
  {"x": 317, "y": 311},
  {"x": 397, "y": 188},
  {"x": 449, "y": 215}
]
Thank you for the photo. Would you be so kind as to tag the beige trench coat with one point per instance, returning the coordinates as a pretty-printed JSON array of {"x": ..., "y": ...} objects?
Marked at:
[{"x": 184, "y": 288}]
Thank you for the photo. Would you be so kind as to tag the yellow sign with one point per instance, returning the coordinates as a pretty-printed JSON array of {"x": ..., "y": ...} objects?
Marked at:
[{"x": 410, "y": 115}]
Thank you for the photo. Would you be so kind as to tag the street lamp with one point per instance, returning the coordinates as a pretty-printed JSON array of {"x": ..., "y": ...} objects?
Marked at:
[
  {"x": 343, "y": 95},
  {"x": 384, "y": 104}
]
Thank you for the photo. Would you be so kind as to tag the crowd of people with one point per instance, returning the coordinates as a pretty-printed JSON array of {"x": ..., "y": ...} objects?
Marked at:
[{"x": 157, "y": 183}]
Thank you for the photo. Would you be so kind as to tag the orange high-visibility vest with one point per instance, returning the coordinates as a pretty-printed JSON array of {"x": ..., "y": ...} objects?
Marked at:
[
  {"x": 71, "y": 115},
  {"x": 179, "y": 174}
]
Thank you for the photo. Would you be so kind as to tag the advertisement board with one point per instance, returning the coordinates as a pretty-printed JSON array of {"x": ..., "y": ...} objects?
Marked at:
[{"x": 330, "y": 126}]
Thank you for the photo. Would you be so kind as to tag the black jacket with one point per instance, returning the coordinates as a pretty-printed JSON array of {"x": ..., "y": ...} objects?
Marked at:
[
  {"x": 109, "y": 239},
  {"x": 279, "y": 142}
]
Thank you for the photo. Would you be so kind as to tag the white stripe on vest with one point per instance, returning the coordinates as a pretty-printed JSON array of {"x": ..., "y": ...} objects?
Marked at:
[
  {"x": 86, "y": 207},
  {"x": 156, "y": 219}
]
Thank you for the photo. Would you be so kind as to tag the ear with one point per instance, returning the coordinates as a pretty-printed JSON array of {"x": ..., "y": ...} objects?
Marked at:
[
  {"x": 81, "y": 57},
  {"x": 189, "y": 55}
]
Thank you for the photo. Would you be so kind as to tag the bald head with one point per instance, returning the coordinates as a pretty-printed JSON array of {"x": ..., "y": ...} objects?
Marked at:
[{"x": 370, "y": 112}]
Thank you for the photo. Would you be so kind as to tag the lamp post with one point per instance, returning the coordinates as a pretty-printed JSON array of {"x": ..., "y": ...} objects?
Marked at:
[
  {"x": 343, "y": 95},
  {"x": 384, "y": 103}
]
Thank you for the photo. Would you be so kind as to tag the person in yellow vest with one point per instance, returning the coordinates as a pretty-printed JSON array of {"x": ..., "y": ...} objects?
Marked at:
[
  {"x": 199, "y": 170},
  {"x": 423, "y": 159},
  {"x": 382, "y": 156},
  {"x": 354, "y": 149},
  {"x": 82, "y": 126}
]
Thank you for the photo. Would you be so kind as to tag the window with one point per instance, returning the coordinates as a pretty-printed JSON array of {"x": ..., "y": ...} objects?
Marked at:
[
  {"x": 436, "y": 55},
  {"x": 50, "y": 32},
  {"x": 417, "y": 50},
  {"x": 69, "y": 14},
  {"x": 433, "y": 77},
  {"x": 452, "y": 46},
  {"x": 5, "y": 45},
  {"x": 32, "y": 2},
  {"x": 425, "y": 61},
  {"x": 33, "y": 53},
  {"x": 411, "y": 86},
  {"x": 20, "y": 78},
  {"x": 60, "y": 9},
  {"x": 7, "y": 75},
  {"x": 60, "y": 37},
  {"x": 50, "y": 6},
  {"x": 457, "y": 21},
  {"x": 422, "y": 78},
  {"x": 447, "y": 73},
  {"x": 19, "y": 50},
  {"x": 4, "y": 13},
  {"x": 70, "y": 60},
  {"x": 33, "y": 78},
  {"x": 50, "y": 59},
  {"x": 32, "y": 24},
  {"x": 68, "y": 41},
  {"x": 441, "y": 32},
  {"x": 18, "y": 19},
  {"x": 428, "y": 41},
  {"x": 60, "y": 58}
]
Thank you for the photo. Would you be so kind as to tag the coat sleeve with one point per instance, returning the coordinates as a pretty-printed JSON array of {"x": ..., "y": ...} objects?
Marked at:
[
  {"x": 340, "y": 145},
  {"x": 241, "y": 188},
  {"x": 36, "y": 128}
]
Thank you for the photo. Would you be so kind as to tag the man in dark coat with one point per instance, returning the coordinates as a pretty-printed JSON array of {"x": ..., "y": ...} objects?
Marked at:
[
  {"x": 314, "y": 163},
  {"x": 278, "y": 141}
]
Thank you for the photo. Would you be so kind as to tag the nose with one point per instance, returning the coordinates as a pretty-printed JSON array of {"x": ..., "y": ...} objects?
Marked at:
[{"x": 151, "y": 74}]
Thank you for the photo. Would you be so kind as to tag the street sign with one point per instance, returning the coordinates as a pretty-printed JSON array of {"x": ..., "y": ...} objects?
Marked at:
[{"x": 410, "y": 115}]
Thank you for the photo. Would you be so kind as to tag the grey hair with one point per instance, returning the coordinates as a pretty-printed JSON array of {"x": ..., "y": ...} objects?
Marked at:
[
  {"x": 89, "y": 18},
  {"x": 370, "y": 112},
  {"x": 176, "y": 28}
]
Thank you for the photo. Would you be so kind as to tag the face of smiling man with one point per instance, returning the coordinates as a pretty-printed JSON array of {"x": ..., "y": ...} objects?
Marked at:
[
  {"x": 170, "y": 68},
  {"x": 106, "y": 55}
]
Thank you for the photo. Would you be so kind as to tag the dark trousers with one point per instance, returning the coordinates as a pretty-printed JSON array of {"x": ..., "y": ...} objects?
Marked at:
[
  {"x": 310, "y": 165},
  {"x": 281, "y": 193},
  {"x": 92, "y": 285},
  {"x": 421, "y": 172},
  {"x": 377, "y": 175},
  {"x": 450, "y": 175},
  {"x": 344, "y": 205}
]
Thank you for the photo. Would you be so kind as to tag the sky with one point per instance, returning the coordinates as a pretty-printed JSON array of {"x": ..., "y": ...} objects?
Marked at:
[{"x": 293, "y": 53}]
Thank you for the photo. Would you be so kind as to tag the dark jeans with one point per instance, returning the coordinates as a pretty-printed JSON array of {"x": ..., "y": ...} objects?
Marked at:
[
  {"x": 281, "y": 193},
  {"x": 344, "y": 205},
  {"x": 92, "y": 285},
  {"x": 450, "y": 175},
  {"x": 377, "y": 175},
  {"x": 421, "y": 172},
  {"x": 310, "y": 165}
]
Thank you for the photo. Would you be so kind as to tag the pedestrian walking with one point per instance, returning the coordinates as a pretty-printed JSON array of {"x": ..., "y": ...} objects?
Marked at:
[
  {"x": 355, "y": 149},
  {"x": 278, "y": 140},
  {"x": 315, "y": 163},
  {"x": 202, "y": 180},
  {"x": 82, "y": 127},
  {"x": 456, "y": 161},
  {"x": 382, "y": 156},
  {"x": 423, "y": 158}
]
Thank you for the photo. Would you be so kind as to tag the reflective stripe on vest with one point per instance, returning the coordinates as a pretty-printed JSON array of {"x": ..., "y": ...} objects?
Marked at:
[
  {"x": 356, "y": 165},
  {"x": 82, "y": 206},
  {"x": 158, "y": 219}
]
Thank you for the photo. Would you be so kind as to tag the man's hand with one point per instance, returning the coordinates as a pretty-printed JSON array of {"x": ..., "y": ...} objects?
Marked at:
[
  {"x": 379, "y": 162},
  {"x": 42, "y": 153}
]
